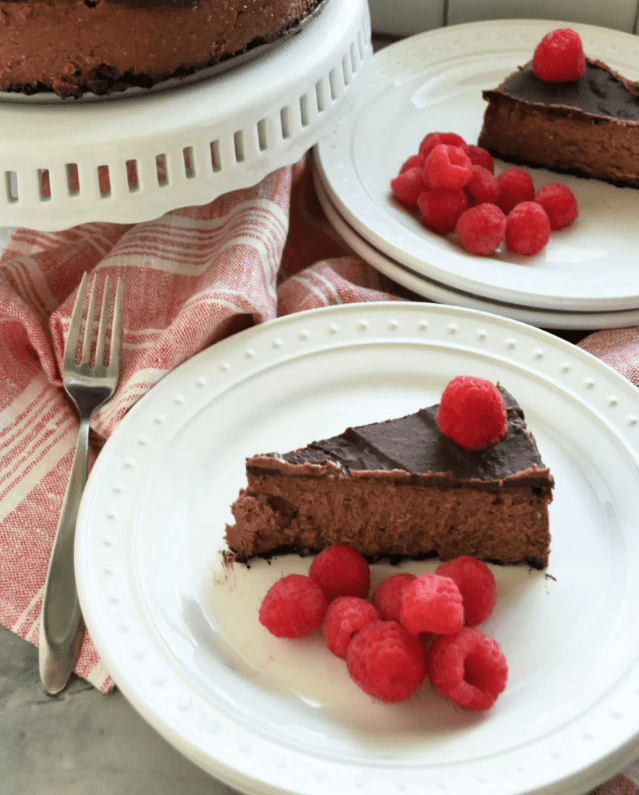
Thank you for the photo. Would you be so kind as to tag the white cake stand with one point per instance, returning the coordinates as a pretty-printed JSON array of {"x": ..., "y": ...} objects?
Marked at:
[{"x": 134, "y": 157}]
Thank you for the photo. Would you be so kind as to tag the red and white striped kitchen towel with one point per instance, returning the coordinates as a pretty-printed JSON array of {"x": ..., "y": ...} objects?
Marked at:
[{"x": 192, "y": 277}]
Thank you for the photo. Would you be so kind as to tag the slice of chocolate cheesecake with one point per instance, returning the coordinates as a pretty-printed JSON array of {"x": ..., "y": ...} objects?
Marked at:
[
  {"x": 400, "y": 489},
  {"x": 588, "y": 127}
]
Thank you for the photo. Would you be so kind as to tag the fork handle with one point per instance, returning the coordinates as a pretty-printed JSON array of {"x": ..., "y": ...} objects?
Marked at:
[{"x": 61, "y": 624}]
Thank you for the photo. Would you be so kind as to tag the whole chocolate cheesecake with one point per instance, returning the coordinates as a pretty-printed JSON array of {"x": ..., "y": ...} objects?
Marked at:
[
  {"x": 103, "y": 46},
  {"x": 400, "y": 489},
  {"x": 588, "y": 127}
]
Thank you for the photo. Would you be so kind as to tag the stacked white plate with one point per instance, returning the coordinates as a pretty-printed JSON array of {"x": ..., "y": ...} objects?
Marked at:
[{"x": 586, "y": 277}]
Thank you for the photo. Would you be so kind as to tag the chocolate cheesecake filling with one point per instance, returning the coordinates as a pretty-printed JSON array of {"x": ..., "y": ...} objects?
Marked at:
[
  {"x": 146, "y": 3},
  {"x": 399, "y": 489},
  {"x": 71, "y": 47}
]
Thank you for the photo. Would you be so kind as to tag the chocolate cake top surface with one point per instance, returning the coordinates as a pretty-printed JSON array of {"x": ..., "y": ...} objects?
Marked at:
[
  {"x": 415, "y": 445},
  {"x": 599, "y": 91}
]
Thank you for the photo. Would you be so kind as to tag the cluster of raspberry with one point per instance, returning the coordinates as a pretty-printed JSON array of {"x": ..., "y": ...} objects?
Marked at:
[
  {"x": 414, "y": 626},
  {"x": 454, "y": 187}
]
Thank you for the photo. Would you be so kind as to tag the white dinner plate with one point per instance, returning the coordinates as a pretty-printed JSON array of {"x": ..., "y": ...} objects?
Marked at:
[
  {"x": 434, "y": 82},
  {"x": 421, "y": 285},
  {"x": 178, "y": 628}
]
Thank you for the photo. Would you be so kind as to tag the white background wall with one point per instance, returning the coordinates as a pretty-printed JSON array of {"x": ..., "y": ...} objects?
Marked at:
[{"x": 404, "y": 17}]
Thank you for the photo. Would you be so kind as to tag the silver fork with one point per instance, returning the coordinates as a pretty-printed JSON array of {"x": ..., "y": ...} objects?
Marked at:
[{"x": 61, "y": 624}]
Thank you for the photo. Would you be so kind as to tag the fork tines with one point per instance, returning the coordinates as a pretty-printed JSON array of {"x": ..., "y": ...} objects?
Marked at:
[{"x": 76, "y": 325}]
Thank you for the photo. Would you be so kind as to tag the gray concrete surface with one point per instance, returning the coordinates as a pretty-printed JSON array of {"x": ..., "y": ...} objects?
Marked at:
[{"x": 81, "y": 742}]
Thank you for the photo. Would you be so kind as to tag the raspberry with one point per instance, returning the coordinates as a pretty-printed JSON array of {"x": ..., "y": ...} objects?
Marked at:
[
  {"x": 293, "y": 606},
  {"x": 447, "y": 168},
  {"x": 414, "y": 161},
  {"x": 388, "y": 595},
  {"x": 527, "y": 228},
  {"x": 559, "y": 56},
  {"x": 435, "y": 138},
  {"x": 340, "y": 570},
  {"x": 345, "y": 616},
  {"x": 480, "y": 157},
  {"x": 431, "y": 604},
  {"x": 481, "y": 229},
  {"x": 559, "y": 203},
  {"x": 476, "y": 584},
  {"x": 407, "y": 186},
  {"x": 472, "y": 412},
  {"x": 482, "y": 186},
  {"x": 515, "y": 186},
  {"x": 440, "y": 209},
  {"x": 386, "y": 661},
  {"x": 469, "y": 668}
]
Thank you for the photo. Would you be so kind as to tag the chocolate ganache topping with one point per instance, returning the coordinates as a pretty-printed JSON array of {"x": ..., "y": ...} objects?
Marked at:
[
  {"x": 599, "y": 91},
  {"x": 416, "y": 445}
]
